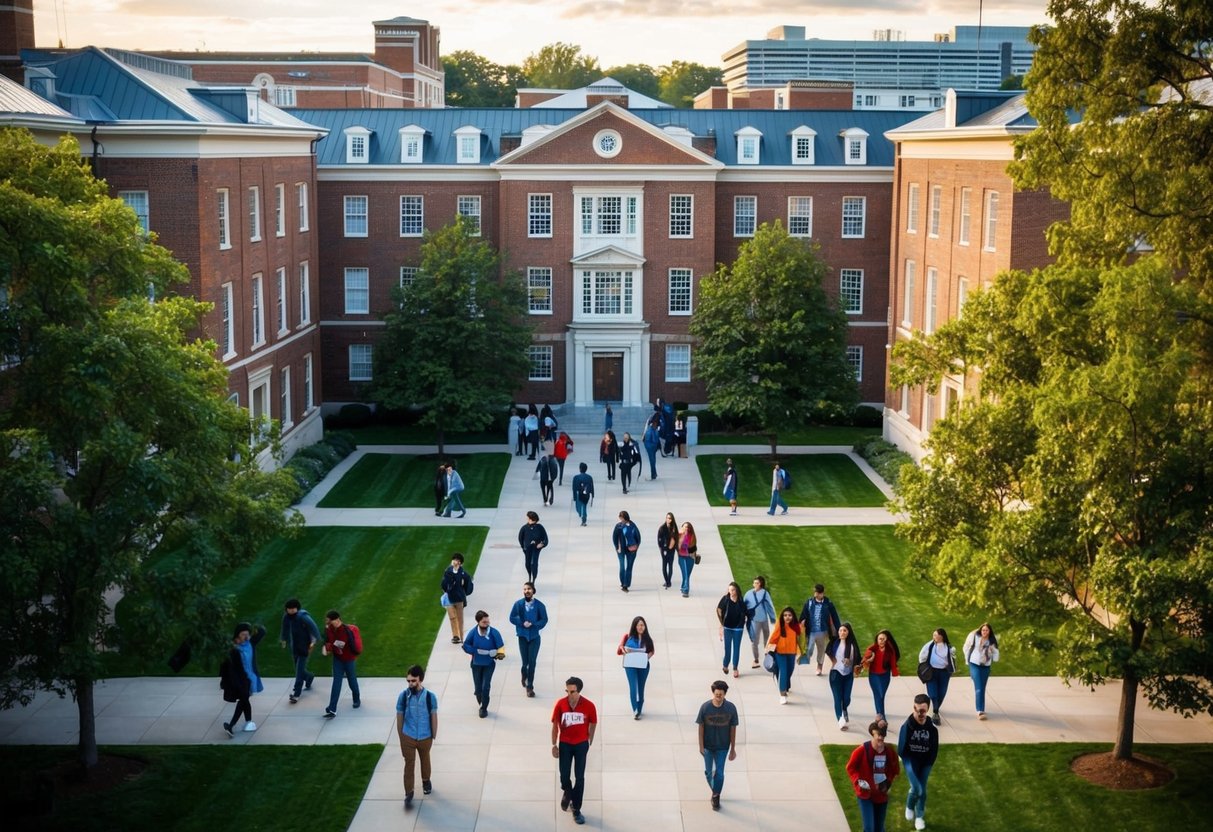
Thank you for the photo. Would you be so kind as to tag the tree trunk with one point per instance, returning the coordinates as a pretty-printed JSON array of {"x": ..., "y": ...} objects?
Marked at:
[
  {"x": 441, "y": 435},
  {"x": 774, "y": 440},
  {"x": 87, "y": 749},
  {"x": 1123, "y": 750}
]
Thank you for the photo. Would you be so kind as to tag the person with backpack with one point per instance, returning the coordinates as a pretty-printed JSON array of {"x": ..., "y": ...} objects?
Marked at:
[
  {"x": 532, "y": 537},
  {"x": 238, "y": 675},
  {"x": 562, "y": 449},
  {"x": 760, "y": 615},
  {"x": 547, "y": 470},
  {"x": 417, "y": 727},
  {"x": 583, "y": 492},
  {"x": 629, "y": 458},
  {"x": 918, "y": 746},
  {"x": 457, "y": 586},
  {"x": 344, "y": 643},
  {"x": 779, "y": 481},
  {"x": 820, "y": 619},
  {"x": 486, "y": 647},
  {"x": 300, "y": 632},
  {"x": 528, "y": 616},
  {"x": 872, "y": 768},
  {"x": 626, "y": 540}
]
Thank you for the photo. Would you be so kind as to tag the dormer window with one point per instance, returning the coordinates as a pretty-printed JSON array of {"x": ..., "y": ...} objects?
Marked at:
[
  {"x": 854, "y": 146},
  {"x": 467, "y": 145},
  {"x": 749, "y": 141},
  {"x": 412, "y": 144},
  {"x": 803, "y": 139},
  {"x": 357, "y": 145}
]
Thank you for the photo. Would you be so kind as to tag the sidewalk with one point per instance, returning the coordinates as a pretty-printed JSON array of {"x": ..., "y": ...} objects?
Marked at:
[{"x": 498, "y": 773}]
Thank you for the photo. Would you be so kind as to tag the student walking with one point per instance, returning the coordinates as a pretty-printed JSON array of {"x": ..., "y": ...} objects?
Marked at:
[
  {"x": 785, "y": 642},
  {"x": 530, "y": 426},
  {"x": 629, "y": 458},
  {"x": 981, "y": 651},
  {"x": 637, "y": 650},
  {"x": 457, "y": 586},
  {"x": 731, "y": 614},
  {"x": 730, "y": 486},
  {"x": 486, "y": 647},
  {"x": 239, "y": 677},
  {"x": 717, "y": 721},
  {"x": 574, "y": 721},
  {"x": 532, "y": 537},
  {"x": 667, "y": 544},
  {"x": 454, "y": 491},
  {"x": 688, "y": 556},
  {"x": 417, "y": 727},
  {"x": 872, "y": 768},
  {"x": 626, "y": 540},
  {"x": 652, "y": 444},
  {"x": 562, "y": 449},
  {"x": 820, "y": 620},
  {"x": 760, "y": 615},
  {"x": 440, "y": 479},
  {"x": 344, "y": 643},
  {"x": 918, "y": 745},
  {"x": 529, "y": 616},
  {"x": 778, "y": 483},
  {"x": 937, "y": 661},
  {"x": 300, "y": 633},
  {"x": 547, "y": 470},
  {"x": 880, "y": 661},
  {"x": 583, "y": 492},
  {"x": 608, "y": 452},
  {"x": 843, "y": 652},
  {"x": 608, "y": 421}
]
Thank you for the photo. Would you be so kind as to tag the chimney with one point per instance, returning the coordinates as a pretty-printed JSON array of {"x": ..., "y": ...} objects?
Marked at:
[{"x": 16, "y": 33}]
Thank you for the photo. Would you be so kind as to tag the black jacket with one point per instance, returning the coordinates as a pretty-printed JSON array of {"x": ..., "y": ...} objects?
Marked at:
[{"x": 457, "y": 585}]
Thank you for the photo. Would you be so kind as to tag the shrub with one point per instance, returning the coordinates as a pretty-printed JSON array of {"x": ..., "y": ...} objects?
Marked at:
[
  {"x": 885, "y": 458},
  {"x": 341, "y": 441},
  {"x": 350, "y": 416},
  {"x": 866, "y": 416},
  {"x": 312, "y": 464}
]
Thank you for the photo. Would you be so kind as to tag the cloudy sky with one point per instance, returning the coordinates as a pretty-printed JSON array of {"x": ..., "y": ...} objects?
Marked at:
[{"x": 614, "y": 31}]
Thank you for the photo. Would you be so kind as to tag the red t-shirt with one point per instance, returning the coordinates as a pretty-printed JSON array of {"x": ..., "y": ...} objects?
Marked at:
[{"x": 575, "y": 722}]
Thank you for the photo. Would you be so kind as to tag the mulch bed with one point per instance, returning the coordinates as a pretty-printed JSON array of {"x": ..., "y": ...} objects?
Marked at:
[{"x": 1140, "y": 772}]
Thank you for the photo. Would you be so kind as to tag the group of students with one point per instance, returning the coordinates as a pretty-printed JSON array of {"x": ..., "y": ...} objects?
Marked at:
[
  {"x": 674, "y": 542},
  {"x": 531, "y": 428}
]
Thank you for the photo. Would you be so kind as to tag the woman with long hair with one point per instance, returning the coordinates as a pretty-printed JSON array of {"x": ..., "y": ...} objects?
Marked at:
[
  {"x": 785, "y": 641},
  {"x": 637, "y": 650},
  {"x": 880, "y": 661},
  {"x": 731, "y": 613},
  {"x": 667, "y": 542},
  {"x": 687, "y": 550},
  {"x": 981, "y": 651},
  {"x": 941, "y": 655},
  {"x": 843, "y": 653},
  {"x": 608, "y": 452}
]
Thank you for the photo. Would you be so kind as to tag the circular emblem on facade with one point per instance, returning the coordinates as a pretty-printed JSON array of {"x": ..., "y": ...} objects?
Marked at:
[{"x": 607, "y": 143}]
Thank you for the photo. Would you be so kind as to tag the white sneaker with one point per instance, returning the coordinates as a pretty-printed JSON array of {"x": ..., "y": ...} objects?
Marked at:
[
  {"x": 919, "y": 823},
  {"x": 783, "y": 699},
  {"x": 250, "y": 726},
  {"x": 842, "y": 723},
  {"x": 909, "y": 813}
]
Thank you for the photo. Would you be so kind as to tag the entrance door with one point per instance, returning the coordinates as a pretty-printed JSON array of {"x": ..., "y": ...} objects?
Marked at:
[{"x": 608, "y": 377}]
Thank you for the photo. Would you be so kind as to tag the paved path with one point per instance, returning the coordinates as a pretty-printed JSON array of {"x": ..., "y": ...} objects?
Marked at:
[{"x": 497, "y": 773}]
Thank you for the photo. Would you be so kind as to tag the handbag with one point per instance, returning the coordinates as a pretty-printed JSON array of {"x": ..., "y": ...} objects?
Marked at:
[
  {"x": 925, "y": 672},
  {"x": 768, "y": 662},
  {"x": 697, "y": 558},
  {"x": 444, "y": 599}
]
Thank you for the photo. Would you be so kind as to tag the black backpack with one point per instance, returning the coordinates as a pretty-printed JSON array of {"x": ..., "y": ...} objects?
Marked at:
[{"x": 583, "y": 491}]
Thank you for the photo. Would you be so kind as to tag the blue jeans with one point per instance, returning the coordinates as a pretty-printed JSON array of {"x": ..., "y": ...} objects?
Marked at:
[
  {"x": 713, "y": 767},
  {"x": 841, "y": 687},
  {"x": 528, "y": 651},
  {"x": 937, "y": 688},
  {"x": 530, "y": 559},
  {"x": 482, "y": 680},
  {"x": 652, "y": 452},
  {"x": 873, "y": 814},
  {"x": 785, "y": 663},
  {"x": 879, "y": 682},
  {"x": 301, "y": 675},
  {"x": 581, "y": 509},
  {"x": 572, "y": 762},
  {"x": 917, "y": 798},
  {"x": 667, "y": 566},
  {"x": 454, "y": 501},
  {"x": 981, "y": 675},
  {"x": 637, "y": 676},
  {"x": 777, "y": 500},
  {"x": 626, "y": 561},
  {"x": 732, "y": 646},
  {"x": 344, "y": 669},
  {"x": 685, "y": 565}
]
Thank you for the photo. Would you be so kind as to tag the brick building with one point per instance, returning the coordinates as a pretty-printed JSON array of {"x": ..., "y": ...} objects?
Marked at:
[{"x": 958, "y": 222}]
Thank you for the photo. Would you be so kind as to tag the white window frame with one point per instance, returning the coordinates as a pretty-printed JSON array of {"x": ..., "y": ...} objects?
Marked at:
[
  {"x": 258, "y": 316},
  {"x": 966, "y": 216},
  {"x": 990, "y": 226},
  {"x": 854, "y": 146},
  {"x": 301, "y": 195},
  {"x": 596, "y": 212},
  {"x": 357, "y": 290},
  {"x": 284, "y": 398},
  {"x": 851, "y": 295},
  {"x": 284, "y": 96},
  {"x": 681, "y": 291},
  {"x": 540, "y": 355},
  {"x": 467, "y": 145},
  {"x": 539, "y": 215},
  {"x": 682, "y": 216},
  {"x": 305, "y": 294},
  {"x": 228, "y": 322},
  {"x": 365, "y": 358},
  {"x": 855, "y": 359},
  {"x": 936, "y": 218},
  {"x": 357, "y": 145},
  {"x": 673, "y": 365},
  {"x": 412, "y": 144},
  {"x": 802, "y": 218},
  {"x": 904, "y": 409},
  {"x": 408, "y": 274},
  {"x": 932, "y": 296},
  {"x": 418, "y": 229},
  {"x": 225, "y": 225},
  {"x": 599, "y": 286},
  {"x": 913, "y": 205},
  {"x": 468, "y": 205},
  {"x": 356, "y": 211},
  {"x": 138, "y": 201},
  {"x": 284, "y": 312},
  {"x": 907, "y": 294},
  {"x": 309, "y": 396},
  {"x": 259, "y": 402},
  {"x": 738, "y": 215},
  {"x": 804, "y": 145},
  {"x": 862, "y": 201},
  {"x": 254, "y": 213},
  {"x": 280, "y": 210},
  {"x": 538, "y": 286},
  {"x": 749, "y": 145},
  {"x": 962, "y": 296}
]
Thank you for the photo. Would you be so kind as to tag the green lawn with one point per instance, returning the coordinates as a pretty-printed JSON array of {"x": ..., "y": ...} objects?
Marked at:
[
  {"x": 863, "y": 569},
  {"x": 385, "y": 580},
  {"x": 203, "y": 788},
  {"x": 417, "y": 435},
  {"x": 404, "y": 481},
  {"x": 1030, "y": 787},
  {"x": 810, "y": 435},
  {"x": 824, "y": 480}
]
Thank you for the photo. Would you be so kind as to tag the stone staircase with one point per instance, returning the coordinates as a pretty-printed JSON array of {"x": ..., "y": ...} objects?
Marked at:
[{"x": 585, "y": 422}]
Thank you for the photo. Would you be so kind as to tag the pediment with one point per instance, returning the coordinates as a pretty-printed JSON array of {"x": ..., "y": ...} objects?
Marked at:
[{"x": 609, "y": 256}]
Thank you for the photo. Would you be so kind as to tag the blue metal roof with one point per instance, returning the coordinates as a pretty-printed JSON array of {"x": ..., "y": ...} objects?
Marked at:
[{"x": 776, "y": 127}]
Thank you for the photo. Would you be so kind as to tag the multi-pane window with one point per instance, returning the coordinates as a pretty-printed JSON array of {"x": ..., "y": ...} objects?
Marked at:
[
  {"x": 356, "y": 221},
  {"x": 254, "y": 213},
  {"x": 225, "y": 237},
  {"x": 539, "y": 290},
  {"x": 606, "y": 293},
  {"x": 469, "y": 148},
  {"x": 305, "y": 295},
  {"x": 800, "y": 216},
  {"x": 284, "y": 396},
  {"x": 412, "y": 216},
  {"x": 137, "y": 202},
  {"x": 356, "y": 149},
  {"x": 802, "y": 149},
  {"x": 258, "y": 317},
  {"x": 991, "y": 220},
  {"x": 609, "y": 215},
  {"x": 677, "y": 362},
  {"x": 282, "y": 301},
  {"x": 309, "y": 400},
  {"x": 912, "y": 209},
  {"x": 907, "y": 295},
  {"x": 539, "y": 215},
  {"x": 850, "y": 289},
  {"x": 855, "y": 151},
  {"x": 745, "y": 215},
  {"x": 407, "y": 275},
  {"x": 284, "y": 96},
  {"x": 962, "y": 295},
  {"x": 855, "y": 359},
  {"x": 280, "y": 210},
  {"x": 854, "y": 215},
  {"x": 541, "y": 363},
  {"x": 966, "y": 216},
  {"x": 936, "y": 209},
  {"x": 357, "y": 291},
  {"x": 680, "y": 291},
  {"x": 302, "y": 200},
  {"x": 360, "y": 362},
  {"x": 747, "y": 150},
  {"x": 932, "y": 292},
  {"x": 469, "y": 206},
  {"x": 228, "y": 334},
  {"x": 682, "y": 209}
]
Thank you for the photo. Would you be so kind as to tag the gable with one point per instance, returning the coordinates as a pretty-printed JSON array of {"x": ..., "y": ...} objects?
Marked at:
[{"x": 638, "y": 143}]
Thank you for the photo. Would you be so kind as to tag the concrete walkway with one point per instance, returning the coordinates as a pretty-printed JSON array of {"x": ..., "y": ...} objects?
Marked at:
[{"x": 498, "y": 774}]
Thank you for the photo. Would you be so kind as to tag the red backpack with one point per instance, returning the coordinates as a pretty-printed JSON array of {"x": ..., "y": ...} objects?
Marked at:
[{"x": 354, "y": 642}]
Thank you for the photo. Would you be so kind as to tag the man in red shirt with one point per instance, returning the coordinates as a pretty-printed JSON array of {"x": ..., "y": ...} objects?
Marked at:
[{"x": 574, "y": 720}]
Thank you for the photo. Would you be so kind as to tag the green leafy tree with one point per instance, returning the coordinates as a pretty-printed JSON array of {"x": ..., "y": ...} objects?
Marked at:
[
  {"x": 771, "y": 341},
  {"x": 639, "y": 77},
  {"x": 472, "y": 80},
  {"x": 561, "y": 66},
  {"x": 681, "y": 81},
  {"x": 123, "y": 469},
  {"x": 457, "y": 344}
]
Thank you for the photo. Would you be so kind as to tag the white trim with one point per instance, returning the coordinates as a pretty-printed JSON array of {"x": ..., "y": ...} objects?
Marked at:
[
  {"x": 371, "y": 322},
  {"x": 809, "y": 173},
  {"x": 995, "y": 148},
  {"x": 277, "y": 345}
]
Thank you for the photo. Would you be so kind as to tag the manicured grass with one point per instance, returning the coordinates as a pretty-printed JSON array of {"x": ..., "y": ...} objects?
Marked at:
[
  {"x": 404, "y": 481},
  {"x": 417, "y": 435},
  {"x": 810, "y": 435},
  {"x": 825, "y": 480},
  {"x": 386, "y": 580},
  {"x": 203, "y": 788},
  {"x": 1017, "y": 787},
  {"x": 863, "y": 569}
]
